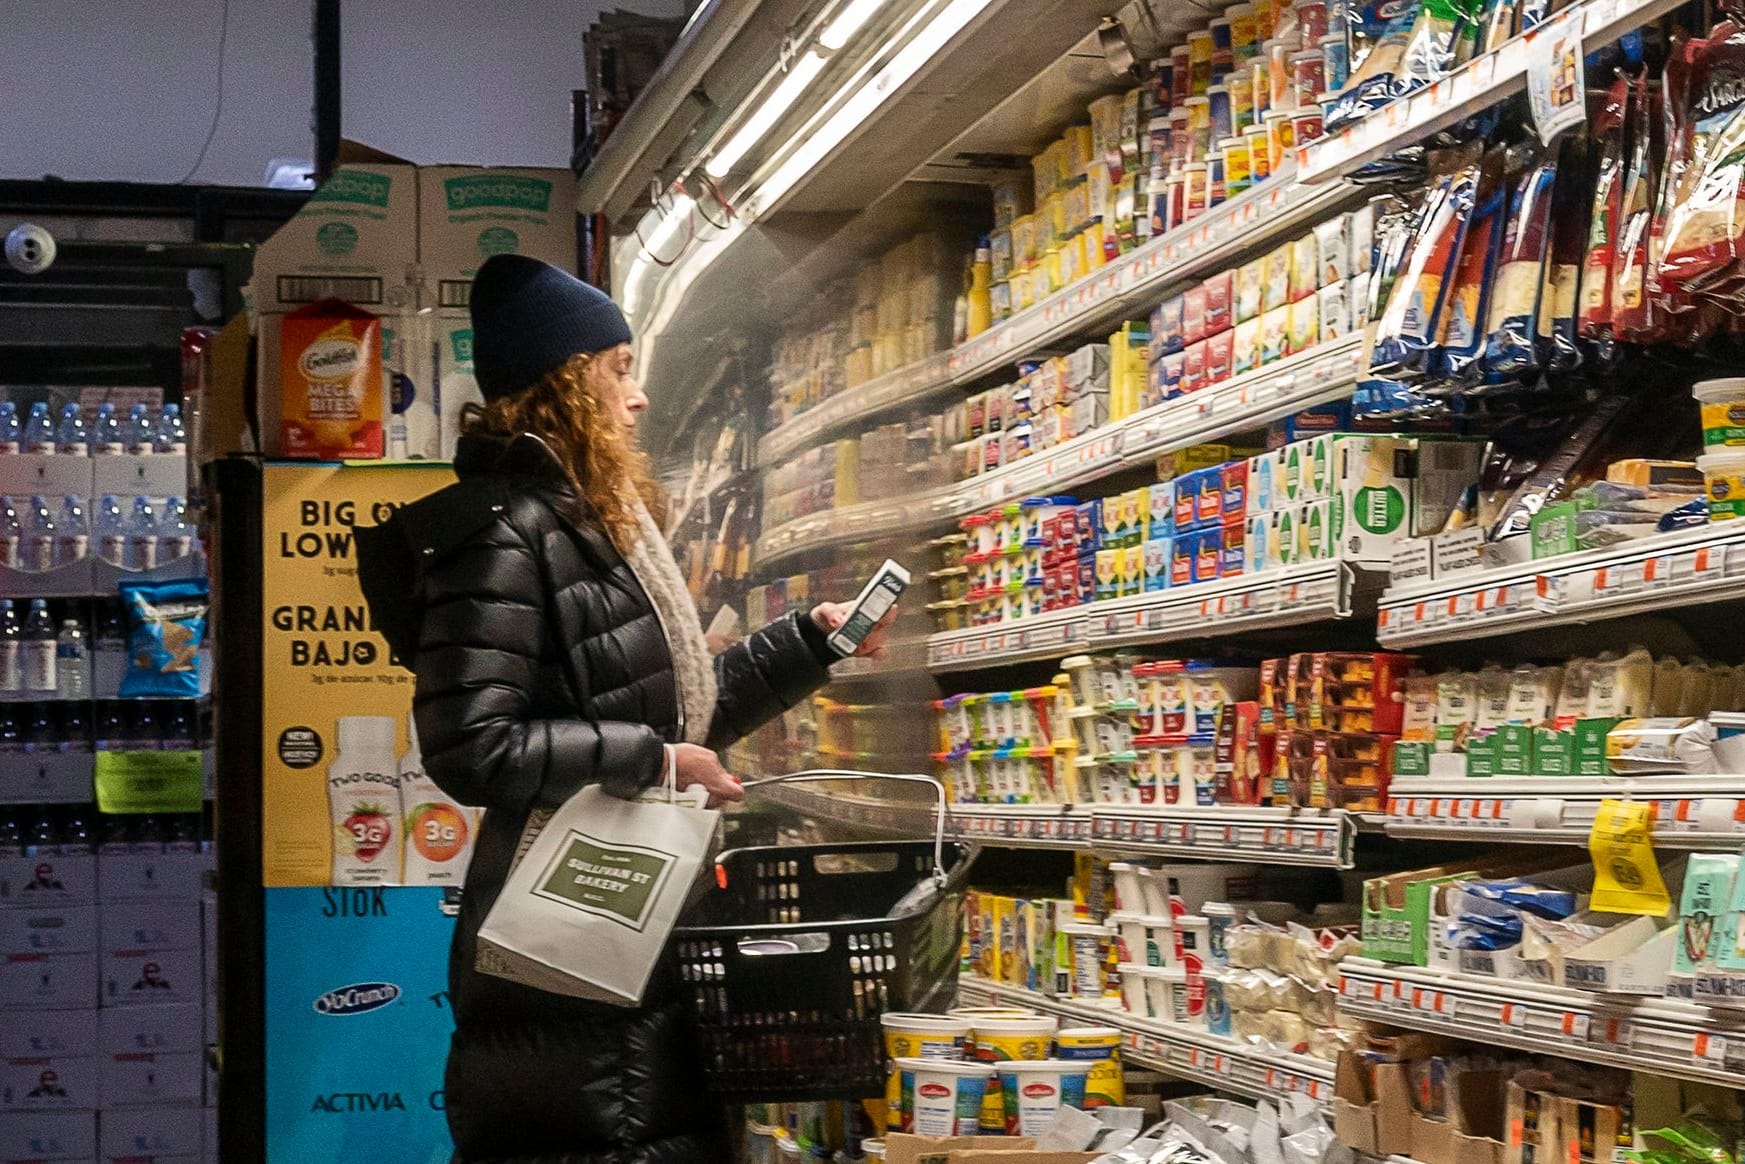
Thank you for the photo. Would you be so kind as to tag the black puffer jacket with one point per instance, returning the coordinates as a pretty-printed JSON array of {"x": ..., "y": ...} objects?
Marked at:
[{"x": 515, "y": 577}]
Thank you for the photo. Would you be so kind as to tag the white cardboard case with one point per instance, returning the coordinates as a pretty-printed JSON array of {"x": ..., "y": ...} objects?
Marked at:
[
  {"x": 150, "y": 1132},
  {"x": 356, "y": 239},
  {"x": 150, "y": 876},
  {"x": 53, "y": 880},
  {"x": 140, "y": 1078},
  {"x": 163, "y": 978},
  {"x": 48, "y": 981},
  {"x": 170, "y": 1029},
  {"x": 68, "y": 929},
  {"x": 49, "y": 1034},
  {"x": 42, "y": 1084},
  {"x": 149, "y": 926},
  {"x": 48, "y": 1136},
  {"x": 468, "y": 213}
]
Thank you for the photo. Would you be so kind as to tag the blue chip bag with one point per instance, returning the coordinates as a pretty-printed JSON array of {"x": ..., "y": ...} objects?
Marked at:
[{"x": 166, "y": 627}]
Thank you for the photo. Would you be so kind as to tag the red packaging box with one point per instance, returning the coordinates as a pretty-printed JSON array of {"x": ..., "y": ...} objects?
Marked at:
[
  {"x": 1220, "y": 351},
  {"x": 1233, "y": 476},
  {"x": 1194, "y": 327},
  {"x": 1235, "y": 548},
  {"x": 1220, "y": 299},
  {"x": 1237, "y": 762},
  {"x": 1358, "y": 692},
  {"x": 1194, "y": 367}
]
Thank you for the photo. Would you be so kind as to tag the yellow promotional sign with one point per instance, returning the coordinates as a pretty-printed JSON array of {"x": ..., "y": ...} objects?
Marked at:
[
  {"x": 323, "y": 663},
  {"x": 1626, "y": 875}
]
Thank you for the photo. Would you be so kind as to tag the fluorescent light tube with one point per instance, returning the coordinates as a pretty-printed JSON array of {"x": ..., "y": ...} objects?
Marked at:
[
  {"x": 947, "y": 23},
  {"x": 803, "y": 73},
  {"x": 848, "y": 22}
]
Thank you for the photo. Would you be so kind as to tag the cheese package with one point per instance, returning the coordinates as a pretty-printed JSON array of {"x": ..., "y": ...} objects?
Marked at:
[{"x": 1275, "y": 284}]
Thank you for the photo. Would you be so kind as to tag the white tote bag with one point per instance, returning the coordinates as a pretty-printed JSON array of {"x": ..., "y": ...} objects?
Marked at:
[{"x": 593, "y": 897}]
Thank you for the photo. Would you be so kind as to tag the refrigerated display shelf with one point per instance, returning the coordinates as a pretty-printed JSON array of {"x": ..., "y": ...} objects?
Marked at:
[
  {"x": 1224, "y": 1064},
  {"x": 1653, "y": 574},
  {"x": 1672, "y": 1036},
  {"x": 1292, "y": 596},
  {"x": 1691, "y": 812},
  {"x": 909, "y": 383},
  {"x": 1134, "y": 282},
  {"x": 1323, "y": 373},
  {"x": 1474, "y": 87},
  {"x": 1270, "y": 836}
]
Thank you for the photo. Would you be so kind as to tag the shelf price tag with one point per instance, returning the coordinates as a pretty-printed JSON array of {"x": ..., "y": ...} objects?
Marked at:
[
  {"x": 1574, "y": 1026},
  {"x": 1616, "y": 1031},
  {"x": 1708, "y": 1049},
  {"x": 1513, "y": 1016}
]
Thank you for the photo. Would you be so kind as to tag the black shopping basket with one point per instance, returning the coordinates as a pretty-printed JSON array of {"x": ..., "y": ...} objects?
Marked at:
[{"x": 800, "y": 948}]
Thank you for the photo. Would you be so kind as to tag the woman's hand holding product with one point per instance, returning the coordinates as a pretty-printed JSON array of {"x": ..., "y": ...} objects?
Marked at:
[{"x": 827, "y": 616}]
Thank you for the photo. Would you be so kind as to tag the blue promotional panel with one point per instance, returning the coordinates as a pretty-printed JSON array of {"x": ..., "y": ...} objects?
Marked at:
[{"x": 357, "y": 1024}]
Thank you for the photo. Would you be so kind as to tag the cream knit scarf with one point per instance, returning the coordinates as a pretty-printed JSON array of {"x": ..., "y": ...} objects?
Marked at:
[{"x": 651, "y": 560}]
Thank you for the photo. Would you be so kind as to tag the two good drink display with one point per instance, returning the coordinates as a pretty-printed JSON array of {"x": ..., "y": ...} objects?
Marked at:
[
  {"x": 391, "y": 824},
  {"x": 990, "y": 1071}
]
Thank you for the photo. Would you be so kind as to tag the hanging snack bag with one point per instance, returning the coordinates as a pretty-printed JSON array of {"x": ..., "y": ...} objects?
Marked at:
[
  {"x": 1514, "y": 309},
  {"x": 1462, "y": 339},
  {"x": 1594, "y": 319},
  {"x": 1705, "y": 225},
  {"x": 166, "y": 627}
]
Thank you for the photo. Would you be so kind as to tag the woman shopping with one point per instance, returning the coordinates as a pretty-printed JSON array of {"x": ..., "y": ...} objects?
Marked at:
[{"x": 558, "y": 647}]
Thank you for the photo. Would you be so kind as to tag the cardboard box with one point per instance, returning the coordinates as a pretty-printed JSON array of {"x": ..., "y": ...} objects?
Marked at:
[
  {"x": 48, "y": 981},
  {"x": 123, "y": 1030},
  {"x": 901, "y": 1148},
  {"x": 1593, "y": 1133},
  {"x": 39, "y": 1084},
  {"x": 50, "y": 1034},
  {"x": 68, "y": 930},
  {"x": 51, "y": 880},
  {"x": 153, "y": 1132},
  {"x": 156, "y": 979},
  {"x": 468, "y": 213},
  {"x": 148, "y": 926},
  {"x": 1372, "y": 1106},
  {"x": 1473, "y": 1131},
  {"x": 1633, "y": 958},
  {"x": 1395, "y": 924},
  {"x": 48, "y": 1136},
  {"x": 356, "y": 238},
  {"x": 143, "y": 1078},
  {"x": 165, "y": 876}
]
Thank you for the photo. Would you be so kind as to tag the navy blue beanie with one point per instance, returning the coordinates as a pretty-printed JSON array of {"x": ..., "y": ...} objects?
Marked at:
[{"x": 529, "y": 317}]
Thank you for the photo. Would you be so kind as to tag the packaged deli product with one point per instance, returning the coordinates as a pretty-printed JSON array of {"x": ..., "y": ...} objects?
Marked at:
[
  {"x": 1704, "y": 233},
  {"x": 1514, "y": 313},
  {"x": 1462, "y": 337},
  {"x": 1594, "y": 320},
  {"x": 1559, "y": 351},
  {"x": 1410, "y": 324},
  {"x": 1630, "y": 303}
]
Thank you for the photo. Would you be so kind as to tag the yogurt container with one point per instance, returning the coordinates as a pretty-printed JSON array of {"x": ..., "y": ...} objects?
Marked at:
[
  {"x": 1129, "y": 895},
  {"x": 1088, "y": 946},
  {"x": 1101, "y": 1048},
  {"x": 1008, "y": 1040},
  {"x": 1218, "y": 1018},
  {"x": 1133, "y": 998},
  {"x": 1219, "y": 916},
  {"x": 1723, "y": 410},
  {"x": 1034, "y": 1092},
  {"x": 1167, "y": 991},
  {"x": 873, "y": 1149},
  {"x": 918, "y": 1036},
  {"x": 1130, "y": 936},
  {"x": 1724, "y": 481},
  {"x": 942, "y": 1097}
]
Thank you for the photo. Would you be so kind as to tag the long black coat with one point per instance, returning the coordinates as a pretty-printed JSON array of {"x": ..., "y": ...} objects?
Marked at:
[{"x": 515, "y": 578}]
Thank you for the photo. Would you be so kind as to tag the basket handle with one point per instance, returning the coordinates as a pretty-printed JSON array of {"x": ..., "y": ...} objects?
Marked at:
[{"x": 818, "y": 775}]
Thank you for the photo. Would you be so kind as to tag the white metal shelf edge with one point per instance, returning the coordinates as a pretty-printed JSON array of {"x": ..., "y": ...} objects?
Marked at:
[
  {"x": 1474, "y": 87},
  {"x": 910, "y": 382},
  {"x": 1667, "y": 570},
  {"x": 1692, "y": 812},
  {"x": 1226, "y": 1064},
  {"x": 1638, "y": 1033}
]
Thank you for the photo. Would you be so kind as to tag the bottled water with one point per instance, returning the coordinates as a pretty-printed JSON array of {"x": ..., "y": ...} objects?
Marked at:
[
  {"x": 175, "y": 535},
  {"x": 141, "y": 435},
  {"x": 142, "y": 536},
  {"x": 39, "y": 431},
  {"x": 37, "y": 553},
  {"x": 73, "y": 661},
  {"x": 11, "y": 648},
  {"x": 111, "y": 532},
  {"x": 72, "y": 532},
  {"x": 74, "y": 439},
  {"x": 172, "y": 437},
  {"x": 106, "y": 438},
  {"x": 11, "y": 535},
  {"x": 39, "y": 649},
  {"x": 11, "y": 432}
]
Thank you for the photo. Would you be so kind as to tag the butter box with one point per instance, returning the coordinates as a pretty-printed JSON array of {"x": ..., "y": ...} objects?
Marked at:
[
  {"x": 1108, "y": 574},
  {"x": 1220, "y": 350},
  {"x": 1284, "y": 536},
  {"x": 1262, "y": 483},
  {"x": 1194, "y": 315},
  {"x": 1259, "y": 551},
  {"x": 1305, "y": 268},
  {"x": 1275, "y": 334},
  {"x": 1334, "y": 310},
  {"x": 1220, "y": 296},
  {"x": 1157, "y": 563},
  {"x": 1181, "y": 558},
  {"x": 1167, "y": 331},
  {"x": 1209, "y": 501},
  {"x": 1275, "y": 285},
  {"x": 1234, "y": 554},
  {"x": 1208, "y": 554},
  {"x": 1160, "y": 509},
  {"x": 1305, "y": 324},
  {"x": 1250, "y": 280},
  {"x": 1245, "y": 347},
  {"x": 1132, "y": 576},
  {"x": 1233, "y": 480},
  {"x": 1194, "y": 367},
  {"x": 1317, "y": 536}
]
